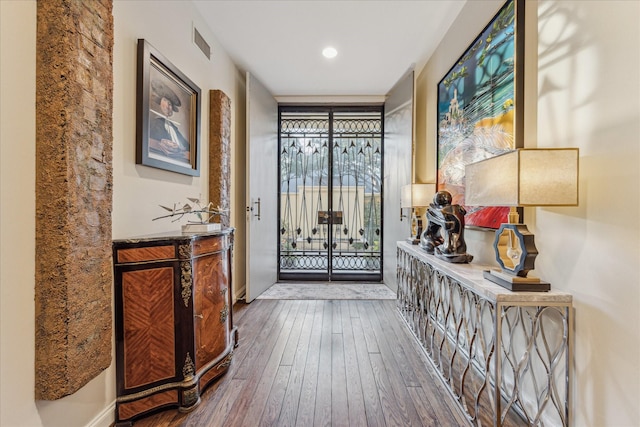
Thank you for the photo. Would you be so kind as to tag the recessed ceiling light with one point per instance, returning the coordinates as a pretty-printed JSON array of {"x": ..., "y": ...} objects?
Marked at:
[{"x": 329, "y": 52}]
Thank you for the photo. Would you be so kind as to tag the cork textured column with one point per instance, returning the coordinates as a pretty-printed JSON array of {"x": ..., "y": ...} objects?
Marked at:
[
  {"x": 74, "y": 120},
  {"x": 220, "y": 152}
]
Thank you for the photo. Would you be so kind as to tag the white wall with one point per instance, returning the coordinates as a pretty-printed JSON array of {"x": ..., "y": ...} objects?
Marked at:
[
  {"x": 137, "y": 189},
  {"x": 17, "y": 213},
  {"x": 582, "y": 89},
  {"x": 398, "y": 143},
  {"x": 589, "y": 97}
]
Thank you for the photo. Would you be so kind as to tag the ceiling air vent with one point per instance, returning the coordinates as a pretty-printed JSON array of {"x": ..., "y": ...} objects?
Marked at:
[{"x": 201, "y": 43}]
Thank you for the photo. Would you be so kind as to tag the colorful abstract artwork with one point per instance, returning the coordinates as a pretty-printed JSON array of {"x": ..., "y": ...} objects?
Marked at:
[{"x": 477, "y": 108}]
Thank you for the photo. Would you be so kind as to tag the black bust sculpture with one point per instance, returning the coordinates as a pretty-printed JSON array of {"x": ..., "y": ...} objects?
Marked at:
[{"x": 444, "y": 235}]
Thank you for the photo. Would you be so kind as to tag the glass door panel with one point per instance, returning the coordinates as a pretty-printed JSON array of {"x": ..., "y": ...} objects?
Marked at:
[
  {"x": 357, "y": 189},
  {"x": 304, "y": 163},
  {"x": 330, "y": 194}
]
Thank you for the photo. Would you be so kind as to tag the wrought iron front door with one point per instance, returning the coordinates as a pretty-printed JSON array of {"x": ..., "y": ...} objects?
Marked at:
[{"x": 330, "y": 193}]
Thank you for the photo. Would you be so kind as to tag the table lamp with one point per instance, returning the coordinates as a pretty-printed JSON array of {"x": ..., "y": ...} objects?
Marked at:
[
  {"x": 416, "y": 196},
  {"x": 523, "y": 177}
]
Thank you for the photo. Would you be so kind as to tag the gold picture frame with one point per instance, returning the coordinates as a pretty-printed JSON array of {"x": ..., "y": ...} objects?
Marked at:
[{"x": 167, "y": 115}]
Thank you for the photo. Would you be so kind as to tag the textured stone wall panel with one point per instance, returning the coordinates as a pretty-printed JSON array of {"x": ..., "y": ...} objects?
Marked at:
[
  {"x": 74, "y": 121},
  {"x": 220, "y": 152}
]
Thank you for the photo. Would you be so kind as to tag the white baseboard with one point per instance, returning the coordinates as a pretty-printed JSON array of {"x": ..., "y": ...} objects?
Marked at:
[{"x": 105, "y": 418}]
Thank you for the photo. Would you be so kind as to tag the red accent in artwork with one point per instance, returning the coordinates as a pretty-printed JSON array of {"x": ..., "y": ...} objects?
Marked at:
[{"x": 489, "y": 216}]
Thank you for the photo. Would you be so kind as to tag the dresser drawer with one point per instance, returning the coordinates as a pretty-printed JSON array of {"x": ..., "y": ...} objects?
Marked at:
[
  {"x": 210, "y": 244},
  {"x": 149, "y": 253}
]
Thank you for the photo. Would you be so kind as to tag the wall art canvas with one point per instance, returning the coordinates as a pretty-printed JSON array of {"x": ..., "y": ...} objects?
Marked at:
[
  {"x": 478, "y": 112},
  {"x": 168, "y": 115}
]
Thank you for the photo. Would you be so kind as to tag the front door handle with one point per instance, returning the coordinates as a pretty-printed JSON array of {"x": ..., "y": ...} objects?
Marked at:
[{"x": 257, "y": 203}]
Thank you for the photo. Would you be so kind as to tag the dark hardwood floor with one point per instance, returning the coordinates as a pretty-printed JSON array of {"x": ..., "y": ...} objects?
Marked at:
[{"x": 322, "y": 363}]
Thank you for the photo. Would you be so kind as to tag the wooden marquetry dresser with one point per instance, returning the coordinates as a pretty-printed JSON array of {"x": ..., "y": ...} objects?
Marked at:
[{"x": 174, "y": 326}]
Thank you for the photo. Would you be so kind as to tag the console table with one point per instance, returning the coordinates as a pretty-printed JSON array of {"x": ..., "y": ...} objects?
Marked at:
[
  {"x": 173, "y": 319},
  {"x": 505, "y": 356}
]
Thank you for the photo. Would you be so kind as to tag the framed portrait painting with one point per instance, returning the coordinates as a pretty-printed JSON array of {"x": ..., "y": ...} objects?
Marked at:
[
  {"x": 479, "y": 108},
  {"x": 167, "y": 116}
]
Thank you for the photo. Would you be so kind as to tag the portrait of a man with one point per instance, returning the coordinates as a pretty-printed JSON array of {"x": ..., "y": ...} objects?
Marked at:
[
  {"x": 165, "y": 122},
  {"x": 167, "y": 113}
]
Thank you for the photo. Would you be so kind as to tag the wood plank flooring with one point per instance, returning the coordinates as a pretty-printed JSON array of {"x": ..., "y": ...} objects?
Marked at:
[{"x": 322, "y": 363}]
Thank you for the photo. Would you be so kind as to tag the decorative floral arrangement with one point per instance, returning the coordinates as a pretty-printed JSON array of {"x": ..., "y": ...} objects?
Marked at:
[{"x": 204, "y": 213}]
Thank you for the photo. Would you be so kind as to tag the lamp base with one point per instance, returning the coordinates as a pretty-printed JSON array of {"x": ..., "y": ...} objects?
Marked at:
[{"x": 517, "y": 284}]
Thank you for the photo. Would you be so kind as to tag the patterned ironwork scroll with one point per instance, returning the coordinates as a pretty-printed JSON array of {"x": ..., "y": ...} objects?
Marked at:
[{"x": 505, "y": 363}]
